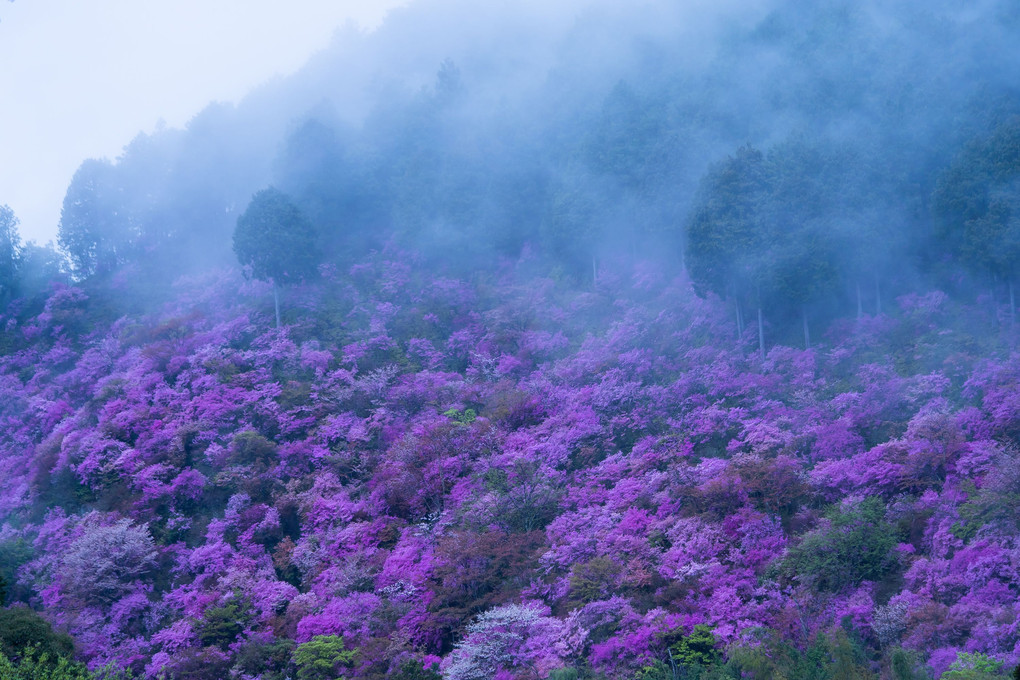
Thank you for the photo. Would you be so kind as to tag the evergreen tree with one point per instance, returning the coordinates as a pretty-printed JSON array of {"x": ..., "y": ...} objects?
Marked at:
[
  {"x": 10, "y": 253},
  {"x": 976, "y": 205},
  {"x": 94, "y": 230},
  {"x": 276, "y": 241}
]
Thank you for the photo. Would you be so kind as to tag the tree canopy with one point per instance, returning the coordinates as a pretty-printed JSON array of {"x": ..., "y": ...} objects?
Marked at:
[
  {"x": 275, "y": 239},
  {"x": 10, "y": 251}
]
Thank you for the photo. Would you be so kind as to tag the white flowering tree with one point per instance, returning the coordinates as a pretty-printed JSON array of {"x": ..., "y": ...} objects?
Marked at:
[
  {"x": 103, "y": 563},
  {"x": 515, "y": 641}
]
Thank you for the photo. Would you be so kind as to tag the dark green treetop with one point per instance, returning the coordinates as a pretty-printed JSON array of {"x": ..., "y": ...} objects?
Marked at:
[
  {"x": 10, "y": 251},
  {"x": 976, "y": 203},
  {"x": 274, "y": 238}
]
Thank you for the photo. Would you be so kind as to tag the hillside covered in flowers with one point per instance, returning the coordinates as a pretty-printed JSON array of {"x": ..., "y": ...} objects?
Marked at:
[
  {"x": 508, "y": 477},
  {"x": 579, "y": 342}
]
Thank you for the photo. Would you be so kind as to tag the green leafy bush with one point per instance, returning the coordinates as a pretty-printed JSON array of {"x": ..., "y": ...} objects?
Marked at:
[
  {"x": 855, "y": 545},
  {"x": 321, "y": 657}
]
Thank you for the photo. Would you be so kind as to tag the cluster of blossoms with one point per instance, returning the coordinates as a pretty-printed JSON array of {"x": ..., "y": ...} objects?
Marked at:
[{"x": 504, "y": 477}]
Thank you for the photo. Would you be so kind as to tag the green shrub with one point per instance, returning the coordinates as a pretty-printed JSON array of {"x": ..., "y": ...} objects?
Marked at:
[
  {"x": 22, "y": 629},
  {"x": 321, "y": 657},
  {"x": 856, "y": 546},
  {"x": 220, "y": 626}
]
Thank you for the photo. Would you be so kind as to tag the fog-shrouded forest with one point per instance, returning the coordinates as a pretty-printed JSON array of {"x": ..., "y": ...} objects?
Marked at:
[{"x": 654, "y": 341}]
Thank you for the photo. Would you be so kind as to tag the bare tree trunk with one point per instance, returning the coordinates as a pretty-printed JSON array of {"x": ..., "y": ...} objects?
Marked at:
[
  {"x": 673, "y": 669},
  {"x": 1012, "y": 305},
  {"x": 807, "y": 333},
  {"x": 761, "y": 334},
  {"x": 594, "y": 272},
  {"x": 878, "y": 297},
  {"x": 860, "y": 305},
  {"x": 276, "y": 302},
  {"x": 761, "y": 326},
  {"x": 995, "y": 302},
  {"x": 740, "y": 322}
]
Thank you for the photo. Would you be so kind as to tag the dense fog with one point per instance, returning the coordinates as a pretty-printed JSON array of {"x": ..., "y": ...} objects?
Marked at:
[{"x": 587, "y": 131}]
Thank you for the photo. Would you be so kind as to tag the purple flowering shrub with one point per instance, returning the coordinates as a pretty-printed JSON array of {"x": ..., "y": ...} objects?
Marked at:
[{"x": 502, "y": 478}]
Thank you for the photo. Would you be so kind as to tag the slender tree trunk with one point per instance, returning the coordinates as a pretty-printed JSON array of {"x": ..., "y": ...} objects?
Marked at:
[
  {"x": 594, "y": 272},
  {"x": 761, "y": 334},
  {"x": 740, "y": 325},
  {"x": 761, "y": 325},
  {"x": 276, "y": 302},
  {"x": 1012, "y": 305},
  {"x": 860, "y": 305},
  {"x": 995, "y": 302},
  {"x": 807, "y": 333},
  {"x": 878, "y": 297}
]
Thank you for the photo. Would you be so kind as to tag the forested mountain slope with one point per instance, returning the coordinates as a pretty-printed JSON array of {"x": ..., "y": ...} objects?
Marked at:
[
  {"x": 510, "y": 475},
  {"x": 667, "y": 343}
]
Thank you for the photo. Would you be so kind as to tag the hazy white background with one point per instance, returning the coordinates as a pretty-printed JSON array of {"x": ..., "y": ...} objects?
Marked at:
[{"x": 80, "y": 79}]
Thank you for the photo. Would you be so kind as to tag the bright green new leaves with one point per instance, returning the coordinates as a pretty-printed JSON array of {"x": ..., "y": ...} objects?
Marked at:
[
  {"x": 321, "y": 657},
  {"x": 974, "y": 667}
]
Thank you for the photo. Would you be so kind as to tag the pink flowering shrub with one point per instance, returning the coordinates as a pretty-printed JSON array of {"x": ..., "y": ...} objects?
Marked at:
[{"x": 504, "y": 478}]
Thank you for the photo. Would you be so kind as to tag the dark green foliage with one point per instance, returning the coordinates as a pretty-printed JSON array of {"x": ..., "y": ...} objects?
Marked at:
[
  {"x": 571, "y": 227},
  {"x": 525, "y": 505},
  {"x": 198, "y": 664},
  {"x": 414, "y": 670},
  {"x": 827, "y": 657},
  {"x": 93, "y": 230},
  {"x": 631, "y": 140},
  {"x": 774, "y": 231},
  {"x": 855, "y": 545},
  {"x": 905, "y": 665},
  {"x": 13, "y": 554},
  {"x": 10, "y": 253},
  {"x": 976, "y": 204},
  {"x": 22, "y": 629},
  {"x": 251, "y": 448},
  {"x": 322, "y": 657},
  {"x": 656, "y": 671},
  {"x": 580, "y": 671},
  {"x": 221, "y": 626},
  {"x": 270, "y": 661},
  {"x": 331, "y": 188},
  {"x": 275, "y": 239},
  {"x": 725, "y": 234}
]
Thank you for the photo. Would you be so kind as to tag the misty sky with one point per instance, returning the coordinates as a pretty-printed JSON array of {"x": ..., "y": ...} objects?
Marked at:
[{"x": 81, "y": 79}]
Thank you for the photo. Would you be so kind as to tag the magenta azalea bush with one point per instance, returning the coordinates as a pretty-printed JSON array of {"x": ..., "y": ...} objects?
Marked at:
[{"x": 454, "y": 488}]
